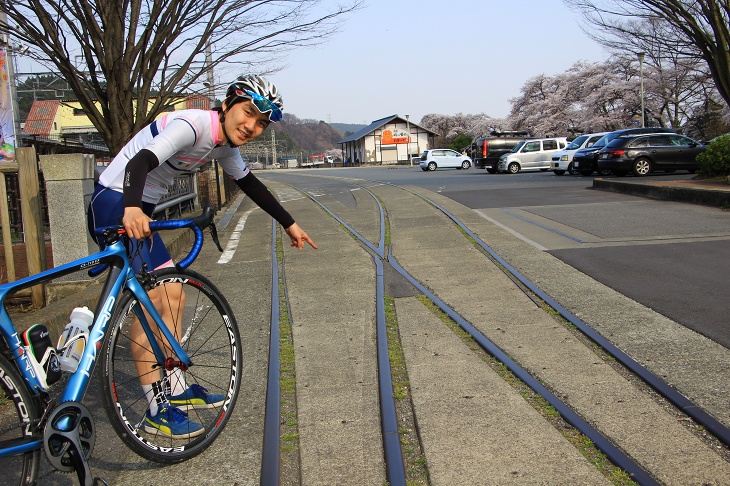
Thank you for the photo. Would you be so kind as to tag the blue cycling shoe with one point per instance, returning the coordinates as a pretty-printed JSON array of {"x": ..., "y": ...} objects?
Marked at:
[
  {"x": 196, "y": 397},
  {"x": 171, "y": 422}
]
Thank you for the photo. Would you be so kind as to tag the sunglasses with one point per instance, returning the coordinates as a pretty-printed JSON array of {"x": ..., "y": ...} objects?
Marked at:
[{"x": 262, "y": 104}]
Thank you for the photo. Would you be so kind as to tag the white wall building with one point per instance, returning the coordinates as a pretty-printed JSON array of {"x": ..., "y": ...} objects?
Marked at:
[{"x": 387, "y": 142}]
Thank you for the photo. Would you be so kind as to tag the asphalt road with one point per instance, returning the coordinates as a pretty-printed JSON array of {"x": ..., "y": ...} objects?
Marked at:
[{"x": 672, "y": 257}]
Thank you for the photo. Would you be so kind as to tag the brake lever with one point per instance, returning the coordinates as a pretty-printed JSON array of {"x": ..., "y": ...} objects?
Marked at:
[{"x": 214, "y": 236}]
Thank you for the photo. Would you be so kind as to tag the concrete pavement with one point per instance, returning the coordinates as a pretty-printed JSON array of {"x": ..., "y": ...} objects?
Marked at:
[{"x": 473, "y": 427}]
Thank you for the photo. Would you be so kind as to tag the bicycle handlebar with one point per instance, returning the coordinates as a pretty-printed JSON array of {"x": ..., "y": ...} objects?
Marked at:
[{"x": 197, "y": 224}]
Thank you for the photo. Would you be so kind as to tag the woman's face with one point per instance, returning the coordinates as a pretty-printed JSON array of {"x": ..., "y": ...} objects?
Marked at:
[{"x": 244, "y": 122}]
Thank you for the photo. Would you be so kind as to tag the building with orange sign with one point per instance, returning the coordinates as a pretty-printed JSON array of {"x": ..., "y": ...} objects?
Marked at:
[{"x": 388, "y": 141}]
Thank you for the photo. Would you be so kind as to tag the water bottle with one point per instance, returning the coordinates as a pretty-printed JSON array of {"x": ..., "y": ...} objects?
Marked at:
[
  {"x": 73, "y": 339},
  {"x": 41, "y": 355}
]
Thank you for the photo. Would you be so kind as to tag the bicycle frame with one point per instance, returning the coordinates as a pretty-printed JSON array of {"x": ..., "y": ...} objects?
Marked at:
[{"x": 120, "y": 275}]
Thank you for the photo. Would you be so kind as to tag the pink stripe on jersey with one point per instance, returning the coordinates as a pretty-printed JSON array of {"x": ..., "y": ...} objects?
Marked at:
[{"x": 215, "y": 126}]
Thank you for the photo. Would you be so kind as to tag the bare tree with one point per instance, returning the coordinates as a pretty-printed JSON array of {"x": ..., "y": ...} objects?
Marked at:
[
  {"x": 127, "y": 60},
  {"x": 683, "y": 28}
]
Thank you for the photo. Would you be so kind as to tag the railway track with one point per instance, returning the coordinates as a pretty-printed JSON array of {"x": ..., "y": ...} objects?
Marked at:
[{"x": 472, "y": 423}]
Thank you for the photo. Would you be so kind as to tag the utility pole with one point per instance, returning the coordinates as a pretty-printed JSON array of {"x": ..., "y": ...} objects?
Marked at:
[
  {"x": 273, "y": 148},
  {"x": 641, "y": 76}
]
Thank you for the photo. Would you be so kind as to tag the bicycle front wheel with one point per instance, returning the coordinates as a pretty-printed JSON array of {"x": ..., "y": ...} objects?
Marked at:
[
  {"x": 18, "y": 422},
  {"x": 206, "y": 329}
]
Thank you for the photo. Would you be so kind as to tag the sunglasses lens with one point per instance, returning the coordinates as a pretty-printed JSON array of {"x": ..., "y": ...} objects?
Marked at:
[{"x": 265, "y": 105}]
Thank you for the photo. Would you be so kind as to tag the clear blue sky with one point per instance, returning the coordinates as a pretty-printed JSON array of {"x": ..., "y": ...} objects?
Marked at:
[{"x": 415, "y": 57}]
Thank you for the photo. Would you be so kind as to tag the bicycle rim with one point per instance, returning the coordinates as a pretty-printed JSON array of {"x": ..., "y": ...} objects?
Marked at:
[
  {"x": 208, "y": 333},
  {"x": 18, "y": 420}
]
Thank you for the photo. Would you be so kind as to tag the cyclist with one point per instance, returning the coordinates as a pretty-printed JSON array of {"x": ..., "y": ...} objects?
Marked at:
[{"x": 132, "y": 184}]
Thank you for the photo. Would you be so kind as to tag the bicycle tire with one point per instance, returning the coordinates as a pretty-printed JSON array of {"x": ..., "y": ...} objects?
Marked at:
[
  {"x": 19, "y": 417},
  {"x": 210, "y": 337}
]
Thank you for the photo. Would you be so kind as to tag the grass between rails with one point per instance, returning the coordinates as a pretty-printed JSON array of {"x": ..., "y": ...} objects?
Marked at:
[
  {"x": 413, "y": 456},
  {"x": 616, "y": 475},
  {"x": 289, "y": 427}
]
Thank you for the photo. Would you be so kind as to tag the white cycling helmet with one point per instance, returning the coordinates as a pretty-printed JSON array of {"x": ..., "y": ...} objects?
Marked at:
[{"x": 261, "y": 92}]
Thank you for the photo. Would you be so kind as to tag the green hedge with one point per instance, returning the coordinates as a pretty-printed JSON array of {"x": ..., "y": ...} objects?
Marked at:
[{"x": 715, "y": 161}]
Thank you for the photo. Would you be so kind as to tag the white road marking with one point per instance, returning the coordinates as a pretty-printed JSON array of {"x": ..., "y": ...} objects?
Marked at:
[{"x": 235, "y": 238}]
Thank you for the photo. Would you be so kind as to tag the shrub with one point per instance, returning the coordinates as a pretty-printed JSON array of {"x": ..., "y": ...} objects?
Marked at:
[{"x": 715, "y": 161}]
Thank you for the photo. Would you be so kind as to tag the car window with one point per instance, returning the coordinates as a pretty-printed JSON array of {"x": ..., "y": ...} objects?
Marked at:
[
  {"x": 659, "y": 141},
  {"x": 452, "y": 153},
  {"x": 680, "y": 140},
  {"x": 593, "y": 140},
  {"x": 603, "y": 141},
  {"x": 532, "y": 147},
  {"x": 549, "y": 144},
  {"x": 518, "y": 147},
  {"x": 639, "y": 142},
  {"x": 437, "y": 153},
  {"x": 575, "y": 144}
]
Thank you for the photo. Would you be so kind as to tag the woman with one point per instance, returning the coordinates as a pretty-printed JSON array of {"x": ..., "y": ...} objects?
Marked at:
[{"x": 133, "y": 183}]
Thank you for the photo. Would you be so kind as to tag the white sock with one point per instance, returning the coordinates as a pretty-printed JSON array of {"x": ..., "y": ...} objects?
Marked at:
[
  {"x": 155, "y": 395},
  {"x": 176, "y": 382}
]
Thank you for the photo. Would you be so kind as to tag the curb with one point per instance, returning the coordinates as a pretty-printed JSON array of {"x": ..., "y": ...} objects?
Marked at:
[{"x": 692, "y": 195}]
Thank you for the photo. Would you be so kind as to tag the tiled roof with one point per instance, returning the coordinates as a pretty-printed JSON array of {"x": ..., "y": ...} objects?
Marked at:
[
  {"x": 377, "y": 124},
  {"x": 41, "y": 116}
]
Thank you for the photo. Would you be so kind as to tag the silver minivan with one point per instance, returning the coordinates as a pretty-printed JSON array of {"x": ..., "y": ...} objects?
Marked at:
[{"x": 531, "y": 154}]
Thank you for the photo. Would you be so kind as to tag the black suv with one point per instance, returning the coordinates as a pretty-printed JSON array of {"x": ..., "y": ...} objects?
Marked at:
[
  {"x": 486, "y": 151},
  {"x": 585, "y": 160},
  {"x": 643, "y": 154}
]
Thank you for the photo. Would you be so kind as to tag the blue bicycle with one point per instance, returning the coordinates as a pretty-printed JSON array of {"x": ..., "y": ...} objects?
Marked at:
[{"x": 202, "y": 346}]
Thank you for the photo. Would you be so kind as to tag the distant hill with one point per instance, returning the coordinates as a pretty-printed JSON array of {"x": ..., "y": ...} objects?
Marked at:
[
  {"x": 347, "y": 128},
  {"x": 308, "y": 135}
]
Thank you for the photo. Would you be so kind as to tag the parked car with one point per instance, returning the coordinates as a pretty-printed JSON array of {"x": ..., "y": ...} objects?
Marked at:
[
  {"x": 442, "y": 158},
  {"x": 643, "y": 154},
  {"x": 563, "y": 160},
  {"x": 585, "y": 160},
  {"x": 486, "y": 151},
  {"x": 531, "y": 154}
]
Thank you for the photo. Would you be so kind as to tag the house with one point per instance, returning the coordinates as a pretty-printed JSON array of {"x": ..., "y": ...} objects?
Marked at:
[{"x": 388, "y": 141}]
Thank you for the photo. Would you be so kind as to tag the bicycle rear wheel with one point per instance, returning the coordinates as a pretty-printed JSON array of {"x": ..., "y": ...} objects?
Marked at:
[
  {"x": 209, "y": 334},
  {"x": 18, "y": 421}
]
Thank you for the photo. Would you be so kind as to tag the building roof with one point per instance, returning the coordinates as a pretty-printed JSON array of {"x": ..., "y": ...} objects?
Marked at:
[
  {"x": 379, "y": 123},
  {"x": 41, "y": 116}
]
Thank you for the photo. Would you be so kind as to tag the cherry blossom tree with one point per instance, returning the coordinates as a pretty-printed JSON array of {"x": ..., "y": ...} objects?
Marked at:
[
  {"x": 686, "y": 29},
  {"x": 450, "y": 126}
]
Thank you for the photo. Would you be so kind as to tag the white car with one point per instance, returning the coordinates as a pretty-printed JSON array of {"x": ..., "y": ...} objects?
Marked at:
[
  {"x": 444, "y": 158},
  {"x": 563, "y": 161}
]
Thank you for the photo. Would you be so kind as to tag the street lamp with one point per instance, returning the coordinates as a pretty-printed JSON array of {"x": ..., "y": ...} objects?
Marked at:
[
  {"x": 641, "y": 77},
  {"x": 408, "y": 142}
]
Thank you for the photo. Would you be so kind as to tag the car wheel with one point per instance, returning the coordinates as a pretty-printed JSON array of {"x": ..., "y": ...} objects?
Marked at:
[
  {"x": 605, "y": 172},
  {"x": 492, "y": 170},
  {"x": 513, "y": 168},
  {"x": 465, "y": 164},
  {"x": 641, "y": 167},
  {"x": 619, "y": 173},
  {"x": 432, "y": 166},
  {"x": 559, "y": 172},
  {"x": 586, "y": 172},
  {"x": 571, "y": 170}
]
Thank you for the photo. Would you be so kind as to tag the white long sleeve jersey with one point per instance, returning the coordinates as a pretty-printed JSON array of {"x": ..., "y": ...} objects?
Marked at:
[{"x": 183, "y": 141}]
